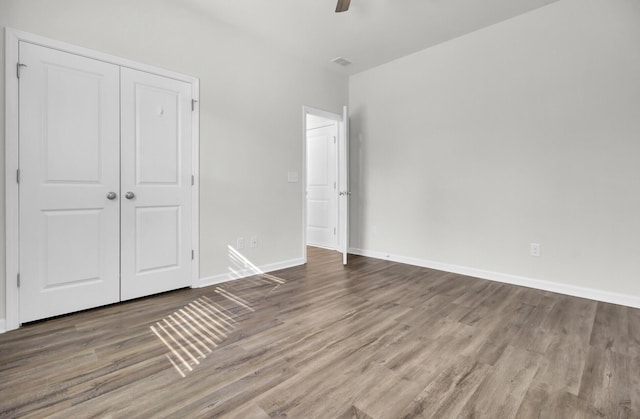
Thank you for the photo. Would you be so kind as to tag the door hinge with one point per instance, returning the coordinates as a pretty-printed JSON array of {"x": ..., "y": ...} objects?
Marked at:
[
  {"x": 18, "y": 280},
  {"x": 18, "y": 176},
  {"x": 193, "y": 180},
  {"x": 18, "y": 66},
  {"x": 193, "y": 104},
  {"x": 334, "y": 140},
  {"x": 334, "y": 231},
  {"x": 193, "y": 254},
  {"x": 334, "y": 185}
]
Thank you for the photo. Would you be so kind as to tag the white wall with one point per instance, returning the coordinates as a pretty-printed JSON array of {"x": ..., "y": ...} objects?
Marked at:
[
  {"x": 251, "y": 98},
  {"x": 525, "y": 131}
]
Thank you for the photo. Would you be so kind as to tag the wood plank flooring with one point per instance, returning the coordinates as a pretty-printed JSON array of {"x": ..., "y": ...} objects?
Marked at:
[{"x": 375, "y": 339}]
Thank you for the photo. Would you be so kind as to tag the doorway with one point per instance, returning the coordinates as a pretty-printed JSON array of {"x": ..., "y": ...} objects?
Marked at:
[
  {"x": 321, "y": 182},
  {"x": 326, "y": 182}
]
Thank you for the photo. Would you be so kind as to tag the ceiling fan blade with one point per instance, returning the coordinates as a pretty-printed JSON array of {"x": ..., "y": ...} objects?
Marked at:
[{"x": 343, "y": 6}]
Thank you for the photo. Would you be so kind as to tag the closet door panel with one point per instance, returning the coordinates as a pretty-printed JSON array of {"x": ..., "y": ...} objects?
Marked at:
[
  {"x": 69, "y": 163},
  {"x": 156, "y": 184}
]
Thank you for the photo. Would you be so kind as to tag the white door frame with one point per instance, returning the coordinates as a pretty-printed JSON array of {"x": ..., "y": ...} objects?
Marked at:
[
  {"x": 307, "y": 110},
  {"x": 12, "y": 38}
]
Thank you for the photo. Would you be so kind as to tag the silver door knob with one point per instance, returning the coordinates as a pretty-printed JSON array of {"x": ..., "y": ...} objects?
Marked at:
[
  {"x": 111, "y": 195},
  {"x": 129, "y": 195}
]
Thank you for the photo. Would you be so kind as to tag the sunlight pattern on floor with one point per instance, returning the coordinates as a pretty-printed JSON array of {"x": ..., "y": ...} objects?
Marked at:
[{"x": 194, "y": 331}]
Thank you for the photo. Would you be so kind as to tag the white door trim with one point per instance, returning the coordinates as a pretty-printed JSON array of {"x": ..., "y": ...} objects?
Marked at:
[
  {"x": 12, "y": 38},
  {"x": 307, "y": 110}
]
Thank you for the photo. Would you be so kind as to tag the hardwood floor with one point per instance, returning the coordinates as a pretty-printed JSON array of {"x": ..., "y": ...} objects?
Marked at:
[{"x": 374, "y": 339}]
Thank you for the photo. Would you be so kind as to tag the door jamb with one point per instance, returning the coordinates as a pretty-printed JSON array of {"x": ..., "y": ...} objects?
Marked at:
[
  {"x": 308, "y": 110},
  {"x": 12, "y": 39}
]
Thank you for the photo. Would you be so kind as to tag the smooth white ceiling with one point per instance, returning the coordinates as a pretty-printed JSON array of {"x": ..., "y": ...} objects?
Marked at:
[{"x": 371, "y": 33}]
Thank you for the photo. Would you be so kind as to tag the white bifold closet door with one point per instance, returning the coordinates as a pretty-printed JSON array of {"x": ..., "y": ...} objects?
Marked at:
[{"x": 90, "y": 132}]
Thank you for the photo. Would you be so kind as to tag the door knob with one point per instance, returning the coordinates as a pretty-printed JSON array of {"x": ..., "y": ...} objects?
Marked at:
[
  {"x": 129, "y": 195},
  {"x": 111, "y": 195}
]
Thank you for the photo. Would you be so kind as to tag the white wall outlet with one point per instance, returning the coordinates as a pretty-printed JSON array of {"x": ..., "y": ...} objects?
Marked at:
[
  {"x": 254, "y": 241},
  {"x": 292, "y": 177},
  {"x": 239, "y": 243},
  {"x": 534, "y": 249}
]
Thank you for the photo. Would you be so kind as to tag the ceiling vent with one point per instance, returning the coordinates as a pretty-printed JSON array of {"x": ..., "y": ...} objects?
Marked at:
[{"x": 341, "y": 61}]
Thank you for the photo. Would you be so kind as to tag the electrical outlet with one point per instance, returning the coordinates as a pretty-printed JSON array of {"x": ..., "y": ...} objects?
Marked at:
[
  {"x": 534, "y": 249},
  {"x": 254, "y": 241},
  {"x": 239, "y": 243}
]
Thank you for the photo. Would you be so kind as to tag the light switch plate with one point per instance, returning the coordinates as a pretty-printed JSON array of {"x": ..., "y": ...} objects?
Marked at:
[{"x": 292, "y": 177}]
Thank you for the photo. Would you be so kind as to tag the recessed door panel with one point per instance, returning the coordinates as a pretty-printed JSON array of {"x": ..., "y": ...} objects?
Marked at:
[
  {"x": 157, "y": 238},
  {"x": 72, "y": 247},
  {"x": 157, "y": 135},
  {"x": 73, "y": 116},
  {"x": 318, "y": 168},
  {"x": 69, "y": 162},
  {"x": 318, "y": 214},
  {"x": 156, "y": 175}
]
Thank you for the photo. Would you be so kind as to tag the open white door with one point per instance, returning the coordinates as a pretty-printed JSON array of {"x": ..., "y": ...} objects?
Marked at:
[{"x": 343, "y": 181}]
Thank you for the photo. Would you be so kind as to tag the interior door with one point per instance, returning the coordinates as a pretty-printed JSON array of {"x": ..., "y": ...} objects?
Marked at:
[
  {"x": 322, "y": 186},
  {"x": 343, "y": 181},
  {"x": 69, "y": 182},
  {"x": 156, "y": 184}
]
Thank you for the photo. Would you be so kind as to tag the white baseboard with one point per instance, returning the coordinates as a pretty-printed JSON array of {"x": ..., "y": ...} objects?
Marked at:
[
  {"x": 243, "y": 273},
  {"x": 582, "y": 292},
  {"x": 573, "y": 290}
]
